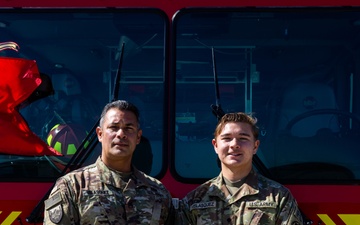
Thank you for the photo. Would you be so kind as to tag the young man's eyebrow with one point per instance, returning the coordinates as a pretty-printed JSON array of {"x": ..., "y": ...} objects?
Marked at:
[
  {"x": 245, "y": 134},
  {"x": 241, "y": 134},
  {"x": 224, "y": 134}
]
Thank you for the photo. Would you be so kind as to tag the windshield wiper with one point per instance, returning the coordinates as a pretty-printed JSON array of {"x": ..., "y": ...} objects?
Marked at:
[
  {"x": 84, "y": 150},
  {"x": 219, "y": 112}
]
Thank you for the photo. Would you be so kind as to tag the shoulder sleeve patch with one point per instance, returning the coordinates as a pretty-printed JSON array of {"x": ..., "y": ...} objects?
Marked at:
[
  {"x": 54, "y": 208},
  {"x": 55, "y": 214}
]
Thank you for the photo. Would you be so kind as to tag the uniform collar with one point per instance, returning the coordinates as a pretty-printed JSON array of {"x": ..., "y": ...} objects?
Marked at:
[
  {"x": 109, "y": 176},
  {"x": 250, "y": 187}
]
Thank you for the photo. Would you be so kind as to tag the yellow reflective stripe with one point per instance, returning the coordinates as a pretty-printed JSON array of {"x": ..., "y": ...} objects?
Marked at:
[
  {"x": 350, "y": 219},
  {"x": 11, "y": 218},
  {"x": 326, "y": 219}
]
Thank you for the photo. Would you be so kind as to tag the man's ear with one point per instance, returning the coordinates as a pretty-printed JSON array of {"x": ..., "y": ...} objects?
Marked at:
[
  {"x": 257, "y": 144},
  {"x": 139, "y": 134},
  {"x": 99, "y": 133},
  {"x": 214, "y": 144}
]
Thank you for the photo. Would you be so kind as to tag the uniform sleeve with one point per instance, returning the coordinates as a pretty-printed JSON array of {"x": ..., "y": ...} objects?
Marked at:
[
  {"x": 171, "y": 215},
  {"x": 60, "y": 207},
  {"x": 162, "y": 208},
  {"x": 183, "y": 215},
  {"x": 289, "y": 212}
]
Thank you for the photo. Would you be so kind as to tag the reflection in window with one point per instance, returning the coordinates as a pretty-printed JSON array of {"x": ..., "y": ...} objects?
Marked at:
[
  {"x": 79, "y": 50},
  {"x": 293, "y": 68}
]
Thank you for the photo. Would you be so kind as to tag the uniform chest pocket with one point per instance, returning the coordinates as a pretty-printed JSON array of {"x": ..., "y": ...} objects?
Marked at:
[
  {"x": 101, "y": 207},
  {"x": 206, "y": 213},
  {"x": 143, "y": 208}
]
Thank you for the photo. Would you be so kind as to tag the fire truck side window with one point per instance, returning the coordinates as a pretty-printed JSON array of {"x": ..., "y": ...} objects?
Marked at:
[
  {"x": 296, "y": 70},
  {"x": 83, "y": 51}
]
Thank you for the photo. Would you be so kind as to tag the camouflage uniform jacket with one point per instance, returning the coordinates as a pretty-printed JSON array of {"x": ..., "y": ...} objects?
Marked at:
[
  {"x": 258, "y": 201},
  {"x": 96, "y": 195}
]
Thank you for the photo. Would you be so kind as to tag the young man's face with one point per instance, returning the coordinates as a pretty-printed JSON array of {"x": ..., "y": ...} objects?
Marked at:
[
  {"x": 119, "y": 134},
  {"x": 236, "y": 145}
]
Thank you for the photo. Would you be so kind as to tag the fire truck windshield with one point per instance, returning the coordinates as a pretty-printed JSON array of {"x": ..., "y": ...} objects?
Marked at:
[
  {"x": 80, "y": 52},
  {"x": 295, "y": 69}
]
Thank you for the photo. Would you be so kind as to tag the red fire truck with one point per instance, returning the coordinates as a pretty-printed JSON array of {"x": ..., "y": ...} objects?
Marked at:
[{"x": 294, "y": 64}]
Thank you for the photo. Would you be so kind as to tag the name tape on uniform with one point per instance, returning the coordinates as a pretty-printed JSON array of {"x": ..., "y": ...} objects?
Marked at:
[{"x": 203, "y": 205}]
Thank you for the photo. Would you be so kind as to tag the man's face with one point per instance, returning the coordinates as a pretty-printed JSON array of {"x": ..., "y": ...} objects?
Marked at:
[
  {"x": 119, "y": 134},
  {"x": 236, "y": 145}
]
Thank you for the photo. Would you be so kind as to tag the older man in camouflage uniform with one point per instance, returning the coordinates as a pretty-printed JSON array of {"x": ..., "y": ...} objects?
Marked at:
[
  {"x": 111, "y": 191},
  {"x": 238, "y": 195}
]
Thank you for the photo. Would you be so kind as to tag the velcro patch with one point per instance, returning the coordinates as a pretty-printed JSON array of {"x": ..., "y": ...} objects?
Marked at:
[{"x": 53, "y": 200}]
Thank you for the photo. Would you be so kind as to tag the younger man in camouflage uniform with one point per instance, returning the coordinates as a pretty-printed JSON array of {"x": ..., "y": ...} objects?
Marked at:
[
  {"x": 111, "y": 191},
  {"x": 238, "y": 195}
]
